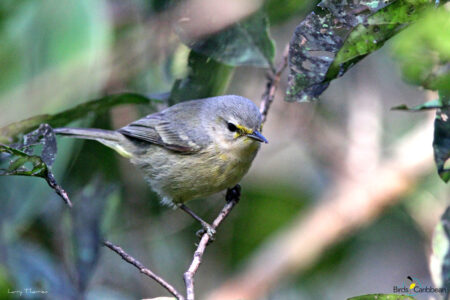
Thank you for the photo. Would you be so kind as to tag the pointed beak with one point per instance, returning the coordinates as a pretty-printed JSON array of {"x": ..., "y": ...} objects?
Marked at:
[{"x": 257, "y": 137}]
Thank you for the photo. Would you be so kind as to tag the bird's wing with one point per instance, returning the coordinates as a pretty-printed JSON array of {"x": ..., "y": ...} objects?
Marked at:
[{"x": 166, "y": 129}]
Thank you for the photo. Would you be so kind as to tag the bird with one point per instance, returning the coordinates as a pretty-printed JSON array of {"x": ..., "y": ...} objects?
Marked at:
[{"x": 190, "y": 150}]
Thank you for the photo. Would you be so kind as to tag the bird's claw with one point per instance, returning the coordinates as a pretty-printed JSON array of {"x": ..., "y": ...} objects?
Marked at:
[{"x": 208, "y": 229}]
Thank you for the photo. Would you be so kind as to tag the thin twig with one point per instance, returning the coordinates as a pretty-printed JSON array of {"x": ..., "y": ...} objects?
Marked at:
[
  {"x": 233, "y": 196},
  {"x": 58, "y": 189},
  {"x": 272, "y": 85},
  {"x": 128, "y": 258}
]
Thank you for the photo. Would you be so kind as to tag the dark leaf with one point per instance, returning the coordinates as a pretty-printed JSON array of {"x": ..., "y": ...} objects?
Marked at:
[
  {"x": 206, "y": 78},
  {"x": 21, "y": 161},
  {"x": 338, "y": 34},
  {"x": 42, "y": 136},
  {"x": 245, "y": 43},
  {"x": 11, "y": 131},
  {"x": 440, "y": 257},
  {"x": 441, "y": 142},
  {"x": 445, "y": 220}
]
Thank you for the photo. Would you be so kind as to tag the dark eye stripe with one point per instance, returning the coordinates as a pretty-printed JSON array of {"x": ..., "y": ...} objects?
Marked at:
[{"x": 232, "y": 127}]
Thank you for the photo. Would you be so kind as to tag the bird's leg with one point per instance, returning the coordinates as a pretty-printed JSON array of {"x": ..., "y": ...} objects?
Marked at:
[
  {"x": 233, "y": 194},
  {"x": 206, "y": 227}
]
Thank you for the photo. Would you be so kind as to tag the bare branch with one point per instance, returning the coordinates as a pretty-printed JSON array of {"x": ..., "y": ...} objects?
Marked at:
[
  {"x": 58, "y": 189},
  {"x": 232, "y": 197},
  {"x": 131, "y": 260},
  {"x": 272, "y": 85}
]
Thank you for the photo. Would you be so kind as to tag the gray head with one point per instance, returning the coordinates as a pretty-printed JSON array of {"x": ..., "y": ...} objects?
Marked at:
[{"x": 235, "y": 118}]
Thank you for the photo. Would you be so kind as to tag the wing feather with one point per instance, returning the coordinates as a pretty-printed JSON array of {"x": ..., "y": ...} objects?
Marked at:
[{"x": 164, "y": 129}]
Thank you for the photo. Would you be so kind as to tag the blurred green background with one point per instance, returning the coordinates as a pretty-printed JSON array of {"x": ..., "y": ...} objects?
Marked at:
[{"x": 56, "y": 54}]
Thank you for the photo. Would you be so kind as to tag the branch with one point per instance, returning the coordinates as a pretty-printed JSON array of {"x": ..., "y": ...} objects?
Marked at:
[
  {"x": 131, "y": 260},
  {"x": 57, "y": 188},
  {"x": 272, "y": 85},
  {"x": 232, "y": 197}
]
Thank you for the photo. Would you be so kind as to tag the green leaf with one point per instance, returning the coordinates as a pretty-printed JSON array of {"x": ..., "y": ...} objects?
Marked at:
[
  {"x": 434, "y": 104},
  {"x": 440, "y": 257},
  {"x": 11, "y": 131},
  {"x": 21, "y": 162},
  {"x": 423, "y": 51},
  {"x": 382, "y": 297},
  {"x": 337, "y": 35},
  {"x": 245, "y": 43},
  {"x": 206, "y": 78}
]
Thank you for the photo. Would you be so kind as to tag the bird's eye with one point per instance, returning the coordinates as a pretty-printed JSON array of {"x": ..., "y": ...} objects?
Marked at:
[{"x": 231, "y": 127}]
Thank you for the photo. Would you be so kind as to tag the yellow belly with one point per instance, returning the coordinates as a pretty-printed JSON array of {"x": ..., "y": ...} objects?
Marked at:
[{"x": 178, "y": 178}]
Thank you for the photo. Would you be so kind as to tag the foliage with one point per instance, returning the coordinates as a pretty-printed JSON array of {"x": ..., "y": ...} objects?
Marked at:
[
  {"x": 335, "y": 36},
  {"x": 23, "y": 163},
  {"x": 423, "y": 51},
  {"x": 212, "y": 58},
  {"x": 245, "y": 43},
  {"x": 441, "y": 141},
  {"x": 206, "y": 78}
]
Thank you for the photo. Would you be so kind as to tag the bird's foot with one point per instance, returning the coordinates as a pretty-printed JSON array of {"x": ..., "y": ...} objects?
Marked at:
[{"x": 208, "y": 229}]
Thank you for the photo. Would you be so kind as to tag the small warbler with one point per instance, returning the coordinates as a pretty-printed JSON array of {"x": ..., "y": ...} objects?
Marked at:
[{"x": 190, "y": 150}]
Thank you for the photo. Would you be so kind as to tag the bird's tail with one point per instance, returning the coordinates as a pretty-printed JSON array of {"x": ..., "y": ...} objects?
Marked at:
[
  {"x": 89, "y": 133},
  {"x": 110, "y": 138}
]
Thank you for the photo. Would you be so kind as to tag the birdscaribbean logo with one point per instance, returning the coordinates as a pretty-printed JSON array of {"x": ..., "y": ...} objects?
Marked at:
[
  {"x": 412, "y": 283},
  {"x": 412, "y": 286}
]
